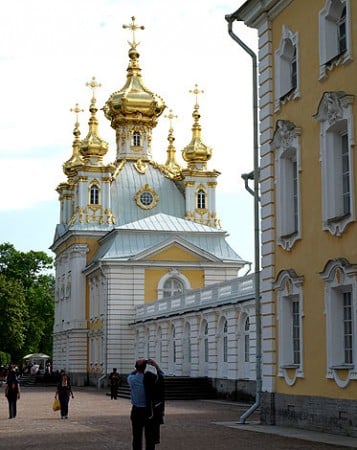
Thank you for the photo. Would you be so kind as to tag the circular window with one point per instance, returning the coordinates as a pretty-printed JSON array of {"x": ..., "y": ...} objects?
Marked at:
[{"x": 146, "y": 198}]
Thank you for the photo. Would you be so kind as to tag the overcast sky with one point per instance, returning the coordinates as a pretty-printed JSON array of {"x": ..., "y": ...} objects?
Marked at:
[{"x": 50, "y": 49}]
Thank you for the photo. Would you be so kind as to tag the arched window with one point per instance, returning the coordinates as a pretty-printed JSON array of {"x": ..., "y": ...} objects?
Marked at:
[
  {"x": 290, "y": 325},
  {"x": 339, "y": 277},
  {"x": 201, "y": 199},
  {"x": 342, "y": 36},
  {"x": 136, "y": 138},
  {"x": 94, "y": 195},
  {"x": 173, "y": 334},
  {"x": 206, "y": 342},
  {"x": 335, "y": 115},
  {"x": 286, "y": 142},
  {"x": 225, "y": 342},
  {"x": 172, "y": 286},
  {"x": 246, "y": 339},
  {"x": 159, "y": 344},
  {"x": 334, "y": 35},
  {"x": 286, "y": 68}
]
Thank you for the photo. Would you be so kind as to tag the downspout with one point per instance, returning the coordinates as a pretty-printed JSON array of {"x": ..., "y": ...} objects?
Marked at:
[{"x": 230, "y": 19}]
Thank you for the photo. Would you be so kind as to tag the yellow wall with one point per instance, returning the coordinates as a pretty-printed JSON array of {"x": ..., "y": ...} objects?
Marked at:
[
  {"x": 309, "y": 255},
  {"x": 172, "y": 255}
]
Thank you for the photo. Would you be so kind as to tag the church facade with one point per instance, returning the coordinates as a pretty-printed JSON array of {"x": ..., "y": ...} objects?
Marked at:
[{"x": 136, "y": 235}]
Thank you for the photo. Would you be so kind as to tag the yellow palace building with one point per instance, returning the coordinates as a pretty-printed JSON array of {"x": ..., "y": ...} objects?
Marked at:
[{"x": 307, "y": 131}]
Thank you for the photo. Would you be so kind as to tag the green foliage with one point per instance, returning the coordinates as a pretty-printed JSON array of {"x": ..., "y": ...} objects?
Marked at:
[
  {"x": 13, "y": 314},
  {"x": 26, "y": 302}
]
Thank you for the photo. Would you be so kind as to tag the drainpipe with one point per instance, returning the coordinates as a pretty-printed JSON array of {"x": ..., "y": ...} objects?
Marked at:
[{"x": 230, "y": 18}]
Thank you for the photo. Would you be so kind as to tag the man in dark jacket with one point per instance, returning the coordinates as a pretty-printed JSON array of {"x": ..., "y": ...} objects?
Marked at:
[
  {"x": 12, "y": 392},
  {"x": 115, "y": 381}
]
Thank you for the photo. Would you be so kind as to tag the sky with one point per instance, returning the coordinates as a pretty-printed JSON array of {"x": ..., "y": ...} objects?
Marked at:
[{"x": 50, "y": 49}]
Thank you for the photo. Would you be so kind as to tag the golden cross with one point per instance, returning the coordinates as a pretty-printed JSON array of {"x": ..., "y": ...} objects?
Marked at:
[
  {"x": 76, "y": 110},
  {"x": 93, "y": 85},
  {"x": 133, "y": 28},
  {"x": 196, "y": 91},
  {"x": 170, "y": 116}
]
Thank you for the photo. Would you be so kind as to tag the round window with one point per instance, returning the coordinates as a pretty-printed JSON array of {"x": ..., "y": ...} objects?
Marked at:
[{"x": 146, "y": 198}]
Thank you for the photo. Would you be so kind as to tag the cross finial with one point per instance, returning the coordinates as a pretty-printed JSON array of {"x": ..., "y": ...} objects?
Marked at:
[
  {"x": 76, "y": 110},
  {"x": 133, "y": 28},
  {"x": 170, "y": 116},
  {"x": 196, "y": 91},
  {"x": 93, "y": 85}
]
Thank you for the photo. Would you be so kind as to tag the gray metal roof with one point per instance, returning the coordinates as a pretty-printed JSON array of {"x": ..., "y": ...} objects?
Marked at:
[
  {"x": 165, "y": 222},
  {"x": 129, "y": 241}
]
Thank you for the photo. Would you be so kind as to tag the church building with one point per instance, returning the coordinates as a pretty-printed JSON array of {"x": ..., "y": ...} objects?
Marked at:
[{"x": 134, "y": 233}]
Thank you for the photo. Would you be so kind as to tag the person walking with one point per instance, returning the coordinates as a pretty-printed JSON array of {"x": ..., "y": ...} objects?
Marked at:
[
  {"x": 147, "y": 398},
  {"x": 115, "y": 381},
  {"x": 63, "y": 393},
  {"x": 12, "y": 392}
]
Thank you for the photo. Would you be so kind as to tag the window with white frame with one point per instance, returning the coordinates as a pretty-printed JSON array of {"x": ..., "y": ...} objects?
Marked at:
[
  {"x": 246, "y": 340},
  {"x": 290, "y": 314},
  {"x": 174, "y": 349},
  {"x": 136, "y": 139},
  {"x": 172, "y": 286},
  {"x": 286, "y": 141},
  {"x": 286, "y": 68},
  {"x": 341, "y": 327},
  {"x": 94, "y": 195},
  {"x": 187, "y": 343},
  {"x": 201, "y": 199},
  {"x": 225, "y": 341},
  {"x": 334, "y": 35},
  {"x": 159, "y": 347},
  {"x": 336, "y": 143},
  {"x": 205, "y": 342},
  {"x": 172, "y": 283}
]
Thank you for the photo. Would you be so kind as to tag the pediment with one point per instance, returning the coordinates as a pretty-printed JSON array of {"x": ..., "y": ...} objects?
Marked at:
[{"x": 175, "y": 249}]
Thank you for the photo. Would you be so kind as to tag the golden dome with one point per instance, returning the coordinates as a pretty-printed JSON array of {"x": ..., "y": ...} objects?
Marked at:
[
  {"x": 92, "y": 146},
  {"x": 196, "y": 151},
  {"x": 134, "y": 102}
]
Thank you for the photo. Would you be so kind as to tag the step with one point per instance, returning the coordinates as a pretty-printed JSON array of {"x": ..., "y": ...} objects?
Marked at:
[{"x": 180, "y": 388}]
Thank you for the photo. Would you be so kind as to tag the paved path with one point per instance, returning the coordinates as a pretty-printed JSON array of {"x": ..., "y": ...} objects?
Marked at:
[{"x": 98, "y": 423}]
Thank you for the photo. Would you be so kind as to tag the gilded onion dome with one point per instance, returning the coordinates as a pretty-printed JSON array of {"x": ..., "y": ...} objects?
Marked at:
[
  {"x": 76, "y": 159},
  {"x": 93, "y": 148},
  {"x": 196, "y": 153},
  {"x": 134, "y": 102},
  {"x": 171, "y": 162}
]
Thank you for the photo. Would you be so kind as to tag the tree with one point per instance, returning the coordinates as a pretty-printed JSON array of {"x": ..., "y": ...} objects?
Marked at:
[
  {"x": 26, "y": 302},
  {"x": 13, "y": 315}
]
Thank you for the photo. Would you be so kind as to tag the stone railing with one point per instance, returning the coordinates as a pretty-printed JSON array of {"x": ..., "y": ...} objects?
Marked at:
[{"x": 232, "y": 291}]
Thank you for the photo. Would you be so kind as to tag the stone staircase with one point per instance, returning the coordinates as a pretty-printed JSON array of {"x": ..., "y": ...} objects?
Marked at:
[
  {"x": 28, "y": 379},
  {"x": 180, "y": 388}
]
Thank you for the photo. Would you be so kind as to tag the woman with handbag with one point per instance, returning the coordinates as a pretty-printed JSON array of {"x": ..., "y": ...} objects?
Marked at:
[{"x": 63, "y": 393}]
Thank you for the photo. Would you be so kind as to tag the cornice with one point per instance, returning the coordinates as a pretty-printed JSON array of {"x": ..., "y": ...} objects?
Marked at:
[{"x": 254, "y": 12}]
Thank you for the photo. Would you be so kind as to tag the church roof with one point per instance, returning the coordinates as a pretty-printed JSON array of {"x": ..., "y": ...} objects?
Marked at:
[
  {"x": 160, "y": 231},
  {"x": 128, "y": 184},
  {"x": 164, "y": 222}
]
